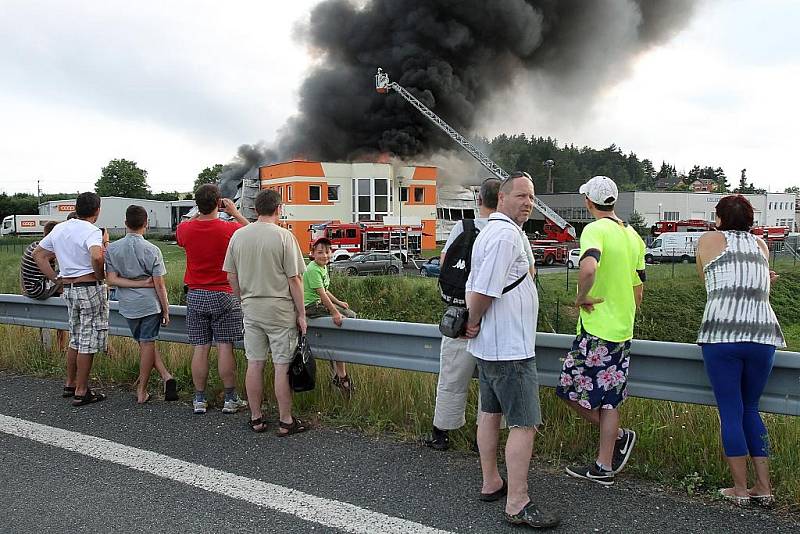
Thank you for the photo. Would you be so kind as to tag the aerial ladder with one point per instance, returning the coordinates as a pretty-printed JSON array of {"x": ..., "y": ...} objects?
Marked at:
[{"x": 383, "y": 85}]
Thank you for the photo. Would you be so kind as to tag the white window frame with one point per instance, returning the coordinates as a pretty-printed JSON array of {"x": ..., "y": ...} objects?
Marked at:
[
  {"x": 403, "y": 194},
  {"x": 288, "y": 193}
]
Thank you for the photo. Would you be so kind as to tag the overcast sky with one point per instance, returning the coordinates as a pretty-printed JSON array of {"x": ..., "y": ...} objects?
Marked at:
[{"x": 177, "y": 86}]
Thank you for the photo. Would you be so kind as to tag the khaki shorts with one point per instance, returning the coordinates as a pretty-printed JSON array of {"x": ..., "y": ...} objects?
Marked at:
[{"x": 261, "y": 338}]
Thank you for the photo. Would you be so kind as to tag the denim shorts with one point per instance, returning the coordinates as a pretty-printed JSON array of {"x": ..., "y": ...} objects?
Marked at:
[
  {"x": 145, "y": 328},
  {"x": 511, "y": 388}
]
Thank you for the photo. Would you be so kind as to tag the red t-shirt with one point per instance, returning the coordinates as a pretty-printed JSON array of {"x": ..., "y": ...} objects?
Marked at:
[{"x": 206, "y": 243}]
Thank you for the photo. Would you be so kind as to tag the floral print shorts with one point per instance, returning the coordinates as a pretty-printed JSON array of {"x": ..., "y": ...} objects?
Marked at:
[{"x": 595, "y": 372}]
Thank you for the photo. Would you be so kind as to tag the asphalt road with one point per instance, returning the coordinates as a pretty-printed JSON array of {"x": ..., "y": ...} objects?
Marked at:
[{"x": 44, "y": 488}]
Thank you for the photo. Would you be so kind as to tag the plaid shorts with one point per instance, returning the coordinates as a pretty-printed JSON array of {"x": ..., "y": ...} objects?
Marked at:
[
  {"x": 87, "y": 307},
  {"x": 213, "y": 317}
]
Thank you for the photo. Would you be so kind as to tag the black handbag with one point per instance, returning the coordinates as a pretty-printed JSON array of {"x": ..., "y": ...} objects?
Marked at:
[
  {"x": 454, "y": 321},
  {"x": 303, "y": 369}
]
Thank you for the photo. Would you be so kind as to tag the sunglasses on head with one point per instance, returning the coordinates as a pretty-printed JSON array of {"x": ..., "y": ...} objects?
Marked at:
[{"x": 516, "y": 174}]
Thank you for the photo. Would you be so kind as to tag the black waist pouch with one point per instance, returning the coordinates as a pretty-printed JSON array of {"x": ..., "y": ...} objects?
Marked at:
[{"x": 454, "y": 321}]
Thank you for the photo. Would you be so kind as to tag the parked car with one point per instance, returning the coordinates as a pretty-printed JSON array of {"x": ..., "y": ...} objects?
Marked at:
[
  {"x": 373, "y": 263},
  {"x": 574, "y": 258},
  {"x": 430, "y": 268}
]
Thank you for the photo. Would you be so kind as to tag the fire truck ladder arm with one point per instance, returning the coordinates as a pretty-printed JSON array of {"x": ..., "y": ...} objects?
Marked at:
[{"x": 382, "y": 85}]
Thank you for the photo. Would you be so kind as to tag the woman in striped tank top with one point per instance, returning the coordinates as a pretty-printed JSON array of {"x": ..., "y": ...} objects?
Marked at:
[{"x": 738, "y": 336}]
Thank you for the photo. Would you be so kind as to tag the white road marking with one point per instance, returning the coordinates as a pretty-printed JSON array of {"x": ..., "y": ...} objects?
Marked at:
[{"x": 327, "y": 512}]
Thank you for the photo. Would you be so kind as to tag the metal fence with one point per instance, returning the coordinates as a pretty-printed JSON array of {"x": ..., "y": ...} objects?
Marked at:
[{"x": 659, "y": 370}]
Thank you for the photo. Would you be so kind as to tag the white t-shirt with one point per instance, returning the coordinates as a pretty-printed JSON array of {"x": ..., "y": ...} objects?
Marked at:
[
  {"x": 458, "y": 228},
  {"x": 508, "y": 328},
  {"x": 71, "y": 241}
]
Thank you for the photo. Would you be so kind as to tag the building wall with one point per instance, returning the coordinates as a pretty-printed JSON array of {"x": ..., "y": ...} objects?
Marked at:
[{"x": 364, "y": 191}]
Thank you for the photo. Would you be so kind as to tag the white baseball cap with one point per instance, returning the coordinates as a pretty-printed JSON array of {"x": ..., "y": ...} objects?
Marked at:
[{"x": 601, "y": 190}]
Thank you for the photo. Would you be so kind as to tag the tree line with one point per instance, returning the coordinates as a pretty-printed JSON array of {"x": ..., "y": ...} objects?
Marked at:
[{"x": 572, "y": 165}]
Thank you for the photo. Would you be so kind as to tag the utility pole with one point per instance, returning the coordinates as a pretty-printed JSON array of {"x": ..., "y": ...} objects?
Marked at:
[
  {"x": 549, "y": 164},
  {"x": 38, "y": 193}
]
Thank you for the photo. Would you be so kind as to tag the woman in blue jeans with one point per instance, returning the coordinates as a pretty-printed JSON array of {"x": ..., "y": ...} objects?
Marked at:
[{"x": 738, "y": 336}]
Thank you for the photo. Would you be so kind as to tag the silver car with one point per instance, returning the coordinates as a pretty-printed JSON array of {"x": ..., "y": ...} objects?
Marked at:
[{"x": 370, "y": 263}]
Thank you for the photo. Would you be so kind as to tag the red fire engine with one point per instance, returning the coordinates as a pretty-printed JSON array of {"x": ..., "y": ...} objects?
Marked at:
[
  {"x": 689, "y": 225},
  {"x": 549, "y": 251},
  {"x": 347, "y": 239}
]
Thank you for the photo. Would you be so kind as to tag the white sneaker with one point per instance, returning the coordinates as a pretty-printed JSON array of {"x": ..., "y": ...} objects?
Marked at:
[
  {"x": 199, "y": 407},
  {"x": 234, "y": 405}
]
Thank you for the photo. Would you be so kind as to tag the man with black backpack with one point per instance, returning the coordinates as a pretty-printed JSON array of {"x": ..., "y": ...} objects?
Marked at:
[{"x": 456, "y": 365}]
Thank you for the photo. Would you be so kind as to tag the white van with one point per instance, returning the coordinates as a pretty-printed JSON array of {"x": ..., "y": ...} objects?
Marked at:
[{"x": 673, "y": 246}]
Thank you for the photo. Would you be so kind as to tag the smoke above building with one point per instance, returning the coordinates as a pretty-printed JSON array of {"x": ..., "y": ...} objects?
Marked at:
[{"x": 455, "y": 56}]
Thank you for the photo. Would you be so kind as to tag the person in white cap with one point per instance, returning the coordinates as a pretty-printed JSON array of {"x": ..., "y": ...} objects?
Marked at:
[{"x": 610, "y": 284}]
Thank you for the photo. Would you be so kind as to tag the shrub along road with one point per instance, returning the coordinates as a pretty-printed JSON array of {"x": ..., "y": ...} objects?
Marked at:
[{"x": 49, "y": 487}]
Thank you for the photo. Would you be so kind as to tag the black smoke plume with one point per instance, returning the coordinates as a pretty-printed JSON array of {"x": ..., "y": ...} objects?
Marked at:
[
  {"x": 248, "y": 158},
  {"x": 455, "y": 56}
]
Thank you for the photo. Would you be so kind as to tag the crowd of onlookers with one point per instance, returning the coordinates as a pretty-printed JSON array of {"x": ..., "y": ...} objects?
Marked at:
[{"x": 248, "y": 282}]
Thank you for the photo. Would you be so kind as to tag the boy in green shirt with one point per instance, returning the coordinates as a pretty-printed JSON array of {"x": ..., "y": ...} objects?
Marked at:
[{"x": 320, "y": 302}]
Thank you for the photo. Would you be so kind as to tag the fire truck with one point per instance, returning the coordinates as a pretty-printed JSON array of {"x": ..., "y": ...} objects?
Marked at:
[
  {"x": 770, "y": 234},
  {"x": 549, "y": 251},
  {"x": 688, "y": 225},
  {"x": 347, "y": 239},
  {"x": 559, "y": 229}
]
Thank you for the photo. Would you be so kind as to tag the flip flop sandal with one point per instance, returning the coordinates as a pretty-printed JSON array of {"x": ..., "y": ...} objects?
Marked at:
[
  {"x": 69, "y": 391},
  {"x": 295, "y": 427},
  {"x": 89, "y": 398},
  {"x": 735, "y": 499},
  {"x": 495, "y": 495},
  {"x": 765, "y": 501},
  {"x": 171, "y": 390},
  {"x": 145, "y": 401},
  {"x": 257, "y": 425}
]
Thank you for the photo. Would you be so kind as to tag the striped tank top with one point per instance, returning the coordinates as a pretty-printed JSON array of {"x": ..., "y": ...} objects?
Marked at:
[{"x": 737, "y": 285}]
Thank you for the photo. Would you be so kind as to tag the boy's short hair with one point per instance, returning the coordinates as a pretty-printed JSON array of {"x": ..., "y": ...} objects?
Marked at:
[
  {"x": 87, "y": 204},
  {"x": 207, "y": 198},
  {"x": 135, "y": 217},
  {"x": 322, "y": 241}
]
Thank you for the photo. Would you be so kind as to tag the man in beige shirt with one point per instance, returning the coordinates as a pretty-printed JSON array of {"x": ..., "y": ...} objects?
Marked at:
[{"x": 265, "y": 268}]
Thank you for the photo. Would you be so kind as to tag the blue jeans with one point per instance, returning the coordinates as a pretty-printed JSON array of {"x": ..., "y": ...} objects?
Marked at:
[{"x": 738, "y": 373}]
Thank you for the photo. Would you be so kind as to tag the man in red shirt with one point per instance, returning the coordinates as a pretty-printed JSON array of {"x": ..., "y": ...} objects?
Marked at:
[{"x": 213, "y": 313}]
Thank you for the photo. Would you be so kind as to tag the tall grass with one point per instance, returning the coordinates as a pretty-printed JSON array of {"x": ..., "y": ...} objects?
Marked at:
[{"x": 678, "y": 443}]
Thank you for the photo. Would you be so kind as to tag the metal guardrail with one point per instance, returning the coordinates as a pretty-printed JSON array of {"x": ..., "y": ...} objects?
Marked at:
[{"x": 659, "y": 370}]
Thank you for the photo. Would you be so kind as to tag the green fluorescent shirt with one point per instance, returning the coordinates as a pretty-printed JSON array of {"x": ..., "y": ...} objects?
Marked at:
[
  {"x": 314, "y": 278},
  {"x": 621, "y": 255}
]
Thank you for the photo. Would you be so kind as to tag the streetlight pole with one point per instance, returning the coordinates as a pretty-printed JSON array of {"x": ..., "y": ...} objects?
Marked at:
[
  {"x": 400, "y": 204},
  {"x": 549, "y": 164}
]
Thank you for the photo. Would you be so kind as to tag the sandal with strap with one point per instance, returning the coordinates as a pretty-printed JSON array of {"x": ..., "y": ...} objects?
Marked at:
[
  {"x": 69, "y": 391},
  {"x": 257, "y": 425},
  {"x": 344, "y": 384},
  {"x": 90, "y": 398},
  {"x": 295, "y": 427}
]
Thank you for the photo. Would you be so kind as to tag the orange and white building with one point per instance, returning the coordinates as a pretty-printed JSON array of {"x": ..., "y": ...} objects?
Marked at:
[{"x": 316, "y": 192}]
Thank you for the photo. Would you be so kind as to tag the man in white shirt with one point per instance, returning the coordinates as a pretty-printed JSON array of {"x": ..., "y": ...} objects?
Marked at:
[
  {"x": 456, "y": 364},
  {"x": 503, "y": 306},
  {"x": 77, "y": 244}
]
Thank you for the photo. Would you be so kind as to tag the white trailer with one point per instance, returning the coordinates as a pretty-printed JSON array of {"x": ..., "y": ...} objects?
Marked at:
[
  {"x": 27, "y": 224},
  {"x": 163, "y": 216}
]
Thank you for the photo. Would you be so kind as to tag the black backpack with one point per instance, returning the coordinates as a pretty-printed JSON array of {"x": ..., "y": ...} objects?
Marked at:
[{"x": 454, "y": 270}]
